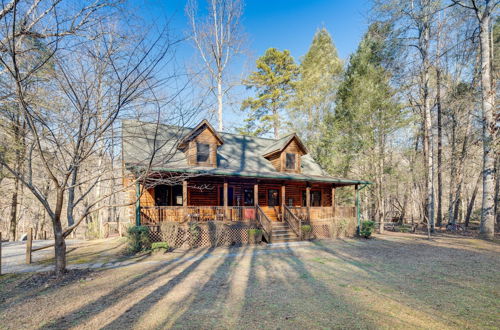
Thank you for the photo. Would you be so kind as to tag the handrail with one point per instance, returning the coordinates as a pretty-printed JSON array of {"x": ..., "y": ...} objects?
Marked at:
[
  {"x": 267, "y": 227},
  {"x": 298, "y": 222}
]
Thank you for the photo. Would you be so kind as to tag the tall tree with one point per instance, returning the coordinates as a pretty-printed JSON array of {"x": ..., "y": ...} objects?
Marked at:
[
  {"x": 320, "y": 74},
  {"x": 273, "y": 83},
  {"x": 483, "y": 11},
  {"x": 367, "y": 112},
  {"x": 218, "y": 39}
]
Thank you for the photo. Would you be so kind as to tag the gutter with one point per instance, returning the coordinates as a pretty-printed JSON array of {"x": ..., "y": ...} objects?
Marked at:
[{"x": 263, "y": 176}]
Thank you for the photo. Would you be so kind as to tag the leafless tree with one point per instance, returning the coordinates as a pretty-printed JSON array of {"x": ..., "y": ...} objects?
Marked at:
[
  {"x": 218, "y": 39},
  {"x": 483, "y": 11},
  {"x": 72, "y": 78}
]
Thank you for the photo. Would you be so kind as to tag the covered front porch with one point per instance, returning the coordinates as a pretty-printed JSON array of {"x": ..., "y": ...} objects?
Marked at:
[{"x": 206, "y": 198}]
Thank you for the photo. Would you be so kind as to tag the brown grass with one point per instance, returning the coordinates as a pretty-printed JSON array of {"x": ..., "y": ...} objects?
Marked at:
[{"x": 392, "y": 281}]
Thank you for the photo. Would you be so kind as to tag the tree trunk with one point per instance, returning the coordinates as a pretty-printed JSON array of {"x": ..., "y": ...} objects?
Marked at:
[
  {"x": 470, "y": 207},
  {"x": 380, "y": 179},
  {"x": 439, "y": 152},
  {"x": 59, "y": 240},
  {"x": 488, "y": 103},
  {"x": 428, "y": 141},
  {"x": 13, "y": 211},
  {"x": 276, "y": 124},
  {"x": 219, "y": 102}
]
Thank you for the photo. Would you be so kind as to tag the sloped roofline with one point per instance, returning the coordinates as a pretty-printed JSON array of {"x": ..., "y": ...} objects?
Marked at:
[
  {"x": 282, "y": 147},
  {"x": 190, "y": 135}
]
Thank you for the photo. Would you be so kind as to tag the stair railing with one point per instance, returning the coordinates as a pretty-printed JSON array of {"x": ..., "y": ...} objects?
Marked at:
[
  {"x": 293, "y": 221},
  {"x": 264, "y": 222}
]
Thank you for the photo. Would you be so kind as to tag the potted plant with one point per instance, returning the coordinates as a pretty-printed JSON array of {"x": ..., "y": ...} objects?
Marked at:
[
  {"x": 254, "y": 236},
  {"x": 306, "y": 232}
]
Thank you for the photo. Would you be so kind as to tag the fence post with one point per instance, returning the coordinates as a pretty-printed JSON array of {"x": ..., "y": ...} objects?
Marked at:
[
  {"x": 44, "y": 235},
  {"x": 29, "y": 244}
]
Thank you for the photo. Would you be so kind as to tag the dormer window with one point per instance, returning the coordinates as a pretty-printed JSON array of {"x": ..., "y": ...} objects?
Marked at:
[
  {"x": 291, "y": 161},
  {"x": 202, "y": 152}
]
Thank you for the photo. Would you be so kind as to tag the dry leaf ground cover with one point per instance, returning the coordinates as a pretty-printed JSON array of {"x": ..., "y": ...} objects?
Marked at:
[{"x": 392, "y": 281}]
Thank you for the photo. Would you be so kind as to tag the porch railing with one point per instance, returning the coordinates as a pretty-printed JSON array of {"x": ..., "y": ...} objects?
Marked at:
[
  {"x": 157, "y": 214},
  {"x": 264, "y": 222},
  {"x": 323, "y": 212},
  {"x": 293, "y": 221}
]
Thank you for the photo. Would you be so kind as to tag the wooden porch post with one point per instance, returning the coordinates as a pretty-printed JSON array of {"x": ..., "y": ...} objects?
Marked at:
[
  {"x": 283, "y": 201},
  {"x": 256, "y": 194},
  {"x": 137, "y": 204},
  {"x": 184, "y": 193},
  {"x": 308, "y": 201},
  {"x": 225, "y": 199},
  {"x": 333, "y": 201},
  {"x": 358, "y": 218}
]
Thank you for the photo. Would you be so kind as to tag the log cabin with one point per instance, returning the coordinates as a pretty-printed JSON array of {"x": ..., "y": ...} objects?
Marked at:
[{"x": 200, "y": 175}]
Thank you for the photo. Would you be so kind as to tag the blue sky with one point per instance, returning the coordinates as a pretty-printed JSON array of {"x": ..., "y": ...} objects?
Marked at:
[{"x": 283, "y": 24}]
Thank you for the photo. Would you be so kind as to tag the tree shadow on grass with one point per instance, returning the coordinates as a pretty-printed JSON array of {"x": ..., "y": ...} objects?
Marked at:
[
  {"x": 209, "y": 301},
  {"x": 423, "y": 276},
  {"x": 145, "y": 304},
  {"x": 290, "y": 296},
  {"x": 81, "y": 314}
]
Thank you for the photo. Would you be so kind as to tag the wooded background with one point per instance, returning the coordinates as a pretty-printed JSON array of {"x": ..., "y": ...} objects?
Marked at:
[{"x": 412, "y": 109}]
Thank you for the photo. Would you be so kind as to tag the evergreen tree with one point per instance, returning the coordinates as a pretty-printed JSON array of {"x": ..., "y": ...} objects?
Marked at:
[
  {"x": 273, "y": 83},
  {"x": 366, "y": 113},
  {"x": 320, "y": 73}
]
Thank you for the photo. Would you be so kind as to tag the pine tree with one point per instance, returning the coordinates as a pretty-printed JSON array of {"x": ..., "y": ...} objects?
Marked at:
[
  {"x": 320, "y": 73},
  {"x": 273, "y": 82},
  {"x": 365, "y": 115}
]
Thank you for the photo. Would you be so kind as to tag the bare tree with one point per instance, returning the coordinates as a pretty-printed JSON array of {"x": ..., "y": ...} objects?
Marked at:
[
  {"x": 57, "y": 94},
  {"x": 483, "y": 11},
  {"x": 218, "y": 39}
]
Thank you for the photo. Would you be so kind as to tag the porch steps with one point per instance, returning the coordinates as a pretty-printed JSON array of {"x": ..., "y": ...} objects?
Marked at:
[{"x": 283, "y": 233}]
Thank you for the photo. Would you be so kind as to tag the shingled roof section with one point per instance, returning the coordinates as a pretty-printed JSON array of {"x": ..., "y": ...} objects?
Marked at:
[
  {"x": 156, "y": 147},
  {"x": 280, "y": 144}
]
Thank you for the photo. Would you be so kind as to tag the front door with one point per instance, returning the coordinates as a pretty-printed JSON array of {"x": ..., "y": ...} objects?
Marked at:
[{"x": 273, "y": 197}]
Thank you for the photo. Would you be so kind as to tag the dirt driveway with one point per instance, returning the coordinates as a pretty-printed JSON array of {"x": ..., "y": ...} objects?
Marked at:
[{"x": 392, "y": 281}]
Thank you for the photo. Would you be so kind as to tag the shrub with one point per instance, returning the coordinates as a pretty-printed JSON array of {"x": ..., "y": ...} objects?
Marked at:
[
  {"x": 367, "y": 229},
  {"x": 306, "y": 229},
  {"x": 254, "y": 232},
  {"x": 195, "y": 234},
  {"x": 138, "y": 239},
  {"x": 160, "y": 246},
  {"x": 254, "y": 236}
]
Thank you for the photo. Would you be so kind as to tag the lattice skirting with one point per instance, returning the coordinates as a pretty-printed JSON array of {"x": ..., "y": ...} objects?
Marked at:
[
  {"x": 333, "y": 228},
  {"x": 202, "y": 234}
]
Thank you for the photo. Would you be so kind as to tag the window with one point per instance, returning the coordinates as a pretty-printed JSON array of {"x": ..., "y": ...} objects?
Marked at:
[
  {"x": 273, "y": 197},
  {"x": 315, "y": 198},
  {"x": 202, "y": 152},
  {"x": 290, "y": 161},
  {"x": 168, "y": 195},
  {"x": 162, "y": 196},
  {"x": 248, "y": 197}
]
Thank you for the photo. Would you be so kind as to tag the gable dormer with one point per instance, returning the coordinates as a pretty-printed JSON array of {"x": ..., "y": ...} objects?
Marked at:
[
  {"x": 200, "y": 145},
  {"x": 285, "y": 154}
]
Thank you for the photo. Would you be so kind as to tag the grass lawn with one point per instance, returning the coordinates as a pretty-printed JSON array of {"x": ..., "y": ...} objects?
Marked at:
[{"x": 392, "y": 281}]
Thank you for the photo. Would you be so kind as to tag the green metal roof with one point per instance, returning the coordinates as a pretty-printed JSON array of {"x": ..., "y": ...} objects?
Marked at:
[{"x": 239, "y": 156}]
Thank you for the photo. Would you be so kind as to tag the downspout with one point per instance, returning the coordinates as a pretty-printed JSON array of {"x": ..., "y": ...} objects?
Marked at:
[
  {"x": 358, "y": 208},
  {"x": 137, "y": 203}
]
